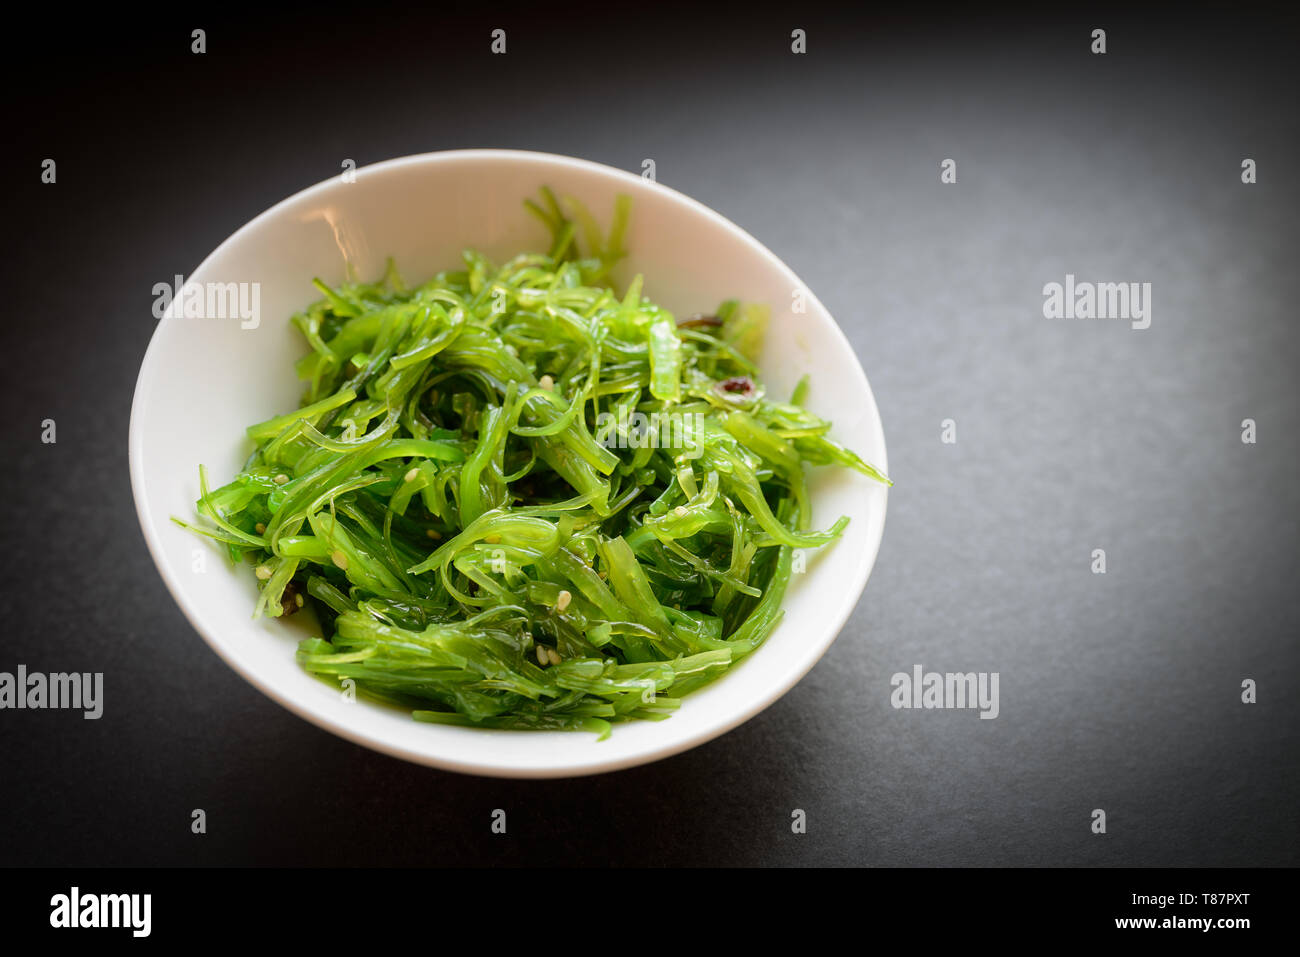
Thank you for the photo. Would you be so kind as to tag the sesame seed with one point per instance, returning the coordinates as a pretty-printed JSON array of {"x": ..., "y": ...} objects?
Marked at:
[
  {"x": 410, "y": 476},
  {"x": 491, "y": 539},
  {"x": 263, "y": 572},
  {"x": 297, "y": 600},
  {"x": 603, "y": 574},
  {"x": 553, "y": 655},
  {"x": 680, "y": 510},
  {"x": 339, "y": 559},
  {"x": 281, "y": 479},
  {"x": 562, "y": 602},
  {"x": 541, "y": 655},
  {"x": 260, "y": 528},
  {"x": 546, "y": 382},
  {"x": 433, "y": 533}
]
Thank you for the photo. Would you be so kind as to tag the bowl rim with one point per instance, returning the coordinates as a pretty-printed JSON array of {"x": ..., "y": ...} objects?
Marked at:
[{"x": 726, "y": 721}]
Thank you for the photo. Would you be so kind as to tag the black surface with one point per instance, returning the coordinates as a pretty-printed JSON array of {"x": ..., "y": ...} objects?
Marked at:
[{"x": 1119, "y": 692}]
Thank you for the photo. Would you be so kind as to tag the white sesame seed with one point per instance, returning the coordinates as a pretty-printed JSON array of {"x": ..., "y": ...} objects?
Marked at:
[
  {"x": 339, "y": 559},
  {"x": 263, "y": 572},
  {"x": 492, "y": 539},
  {"x": 562, "y": 602},
  {"x": 260, "y": 528},
  {"x": 281, "y": 479},
  {"x": 553, "y": 655},
  {"x": 680, "y": 510},
  {"x": 297, "y": 600},
  {"x": 541, "y": 655},
  {"x": 410, "y": 476},
  {"x": 433, "y": 533},
  {"x": 546, "y": 382}
]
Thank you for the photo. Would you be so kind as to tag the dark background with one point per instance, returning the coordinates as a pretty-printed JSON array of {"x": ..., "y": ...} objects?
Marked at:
[{"x": 1119, "y": 692}]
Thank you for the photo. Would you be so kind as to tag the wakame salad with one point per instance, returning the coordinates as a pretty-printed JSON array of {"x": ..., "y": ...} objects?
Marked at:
[{"x": 514, "y": 498}]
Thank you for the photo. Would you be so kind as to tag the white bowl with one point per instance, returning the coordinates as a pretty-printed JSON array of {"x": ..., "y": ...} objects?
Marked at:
[{"x": 205, "y": 379}]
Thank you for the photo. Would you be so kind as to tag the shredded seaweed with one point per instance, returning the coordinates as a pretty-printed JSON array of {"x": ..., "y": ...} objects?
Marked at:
[{"x": 515, "y": 499}]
